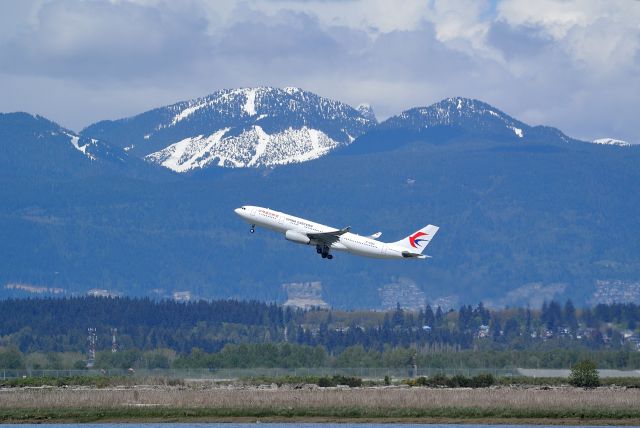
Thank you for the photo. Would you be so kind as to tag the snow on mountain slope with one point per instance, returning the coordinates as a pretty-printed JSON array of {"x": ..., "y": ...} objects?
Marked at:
[
  {"x": 93, "y": 149},
  {"x": 246, "y": 127},
  {"x": 84, "y": 145},
  {"x": 613, "y": 142},
  {"x": 252, "y": 148}
]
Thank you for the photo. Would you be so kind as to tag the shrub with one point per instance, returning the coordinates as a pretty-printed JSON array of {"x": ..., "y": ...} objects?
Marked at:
[
  {"x": 458, "y": 381},
  {"x": 483, "y": 380},
  {"x": 387, "y": 380},
  {"x": 438, "y": 380},
  {"x": 350, "y": 381},
  {"x": 336, "y": 380},
  {"x": 325, "y": 382},
  {"x": 422, "y": 381},
  {"x": 584, "y": 374}
]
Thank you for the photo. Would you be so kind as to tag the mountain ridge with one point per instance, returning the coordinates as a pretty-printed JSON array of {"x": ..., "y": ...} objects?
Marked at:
[
  {"x": 517, "y": 214},
  {"x": 35, "y": 145},
  {"x": 256, "y": 127}
]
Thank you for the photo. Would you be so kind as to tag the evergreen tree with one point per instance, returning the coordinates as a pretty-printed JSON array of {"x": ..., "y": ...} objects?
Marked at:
[
  {"x": 528, "y": 326},
  {"x": 569, "y": 316},
  {"x": 484, "y": 313},
  {"x": 511, "y": 329},
  {"x": 429, "y": 317},
  {"x": 398, "y": 316},
  {"x": 495, "y": 328},
  {"x": 439, "y": 317}
]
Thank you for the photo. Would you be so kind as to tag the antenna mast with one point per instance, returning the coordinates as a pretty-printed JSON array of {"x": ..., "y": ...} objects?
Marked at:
[
  {"x": 114, "y": 343},
  {"x": 91, "y": 351}
]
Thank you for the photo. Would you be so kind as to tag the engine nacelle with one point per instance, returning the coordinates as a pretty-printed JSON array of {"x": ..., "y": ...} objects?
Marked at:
[{"x": 293, "y": 236}]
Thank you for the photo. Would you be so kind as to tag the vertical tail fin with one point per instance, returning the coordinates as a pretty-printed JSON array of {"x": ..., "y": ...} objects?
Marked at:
[{"x": 418, "y": 241}]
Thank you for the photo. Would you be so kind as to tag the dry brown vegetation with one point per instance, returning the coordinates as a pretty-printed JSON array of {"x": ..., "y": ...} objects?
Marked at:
[{"x": 365, "y": 398}]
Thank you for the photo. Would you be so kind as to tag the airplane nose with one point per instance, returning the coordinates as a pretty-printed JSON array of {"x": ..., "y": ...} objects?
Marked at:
[{"x": 237, "y": 211}]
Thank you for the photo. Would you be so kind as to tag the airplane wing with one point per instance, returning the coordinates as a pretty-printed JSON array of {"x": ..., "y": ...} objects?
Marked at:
[{"x": 328, "y": 238}]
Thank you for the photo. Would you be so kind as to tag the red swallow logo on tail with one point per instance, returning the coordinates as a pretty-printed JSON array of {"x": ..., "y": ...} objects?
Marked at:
[{"x": 414, "y": 241}]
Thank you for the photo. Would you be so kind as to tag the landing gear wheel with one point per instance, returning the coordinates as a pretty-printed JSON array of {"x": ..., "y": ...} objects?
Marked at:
[
  {"x": 329, "y": 256},
  {"x": 318, "y": 250},
  {"x": 253, "y": 228},
  {"x": 324, "y": 256}
]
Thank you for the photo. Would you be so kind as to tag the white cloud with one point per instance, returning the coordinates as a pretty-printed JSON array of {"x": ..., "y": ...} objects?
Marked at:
[
  {"x": 572, "y": 64},
  {"x": 367, "y": 15},
  {"x": 601, "y": 36}
]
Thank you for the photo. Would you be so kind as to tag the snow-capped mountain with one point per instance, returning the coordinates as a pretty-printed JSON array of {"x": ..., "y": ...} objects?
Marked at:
[
  {"x": 613, "y": 142},
  {"x": 247, "y": 127},
  {"x": 461, "y": 120},
  {"x": 473, "y": 118}
]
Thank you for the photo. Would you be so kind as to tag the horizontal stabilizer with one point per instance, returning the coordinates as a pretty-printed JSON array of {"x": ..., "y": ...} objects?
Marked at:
[
  {"x": 409, "y": 255},
  {"x": 375, "y": 235}
]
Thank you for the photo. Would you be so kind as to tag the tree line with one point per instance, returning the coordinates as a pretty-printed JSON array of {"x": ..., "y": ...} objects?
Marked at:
[{"x": 231, "y": 333}]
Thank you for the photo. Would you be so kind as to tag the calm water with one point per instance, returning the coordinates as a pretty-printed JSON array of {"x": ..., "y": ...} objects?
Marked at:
[{"x": 285, "y": 425}]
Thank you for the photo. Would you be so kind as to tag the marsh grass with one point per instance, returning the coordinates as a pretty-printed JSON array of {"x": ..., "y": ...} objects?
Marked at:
[
  {"x": 530, "y": 399},
  {"x": 161, "y": 400}
]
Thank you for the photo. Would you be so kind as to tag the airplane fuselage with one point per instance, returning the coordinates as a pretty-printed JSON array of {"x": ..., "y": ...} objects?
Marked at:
[{"x": 298, "y": 230}]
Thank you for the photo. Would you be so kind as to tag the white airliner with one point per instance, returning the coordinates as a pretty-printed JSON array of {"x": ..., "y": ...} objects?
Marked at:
[{"x": 326, "y": 238}]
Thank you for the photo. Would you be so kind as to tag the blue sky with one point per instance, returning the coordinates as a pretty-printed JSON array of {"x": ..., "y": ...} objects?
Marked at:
[{"x": 573, "y": 64}]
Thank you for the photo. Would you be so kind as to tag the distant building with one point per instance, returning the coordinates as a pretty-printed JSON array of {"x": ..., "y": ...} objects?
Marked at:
[
  {"x": 446, "y": 303},
  {"x": 403, "y": 292},
  {"x": 532, "y": 294},
  {"x": 304, "y": 295},
  {"x": 634, "y": 340},
  {"x": 181, "y": 296},
  {"x": 34, "y": 288},
  {"x": 99, "y": 292},
  {"x": 483, "y": 331},
  {"x": 613, "y": 291}
]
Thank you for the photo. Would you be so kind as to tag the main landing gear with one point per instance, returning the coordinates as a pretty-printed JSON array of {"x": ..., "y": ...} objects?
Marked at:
[
  {"x": 253, "y": 228},
  {"x": 323, "y": 250}
]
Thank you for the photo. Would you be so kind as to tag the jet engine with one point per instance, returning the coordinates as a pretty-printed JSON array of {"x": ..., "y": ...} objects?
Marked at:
[{"x": 293, "y": 236}]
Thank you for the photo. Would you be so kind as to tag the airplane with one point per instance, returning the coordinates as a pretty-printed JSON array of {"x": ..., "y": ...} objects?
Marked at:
[{"x": 326, "y": 238}]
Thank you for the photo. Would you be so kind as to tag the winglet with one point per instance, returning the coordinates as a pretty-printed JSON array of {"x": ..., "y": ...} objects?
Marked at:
[{"x": 375, "y": 235}]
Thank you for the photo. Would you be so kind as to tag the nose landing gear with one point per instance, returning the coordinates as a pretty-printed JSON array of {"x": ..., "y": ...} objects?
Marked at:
[{"x": 253, "y": 228}]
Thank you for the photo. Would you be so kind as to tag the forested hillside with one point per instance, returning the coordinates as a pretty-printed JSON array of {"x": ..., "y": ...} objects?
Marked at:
[{"x": 525, "y": 214}]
